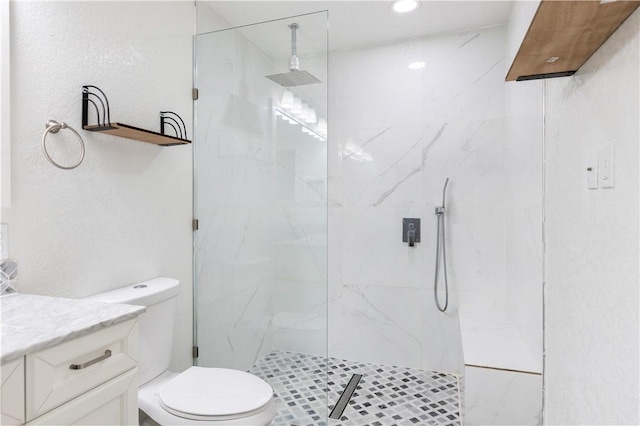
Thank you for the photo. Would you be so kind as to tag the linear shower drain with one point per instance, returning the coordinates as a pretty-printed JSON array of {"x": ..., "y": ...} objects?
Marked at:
[{"x": 345, "y": 397}]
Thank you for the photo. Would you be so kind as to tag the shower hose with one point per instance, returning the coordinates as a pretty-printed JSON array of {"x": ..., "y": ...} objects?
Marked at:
[{"x": 441, "y": 243}]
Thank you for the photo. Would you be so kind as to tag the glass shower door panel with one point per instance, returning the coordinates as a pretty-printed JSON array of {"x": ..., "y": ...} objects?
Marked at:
[
  {"x": 233, "y": 185},
  {"x": 260, "y": 184}
]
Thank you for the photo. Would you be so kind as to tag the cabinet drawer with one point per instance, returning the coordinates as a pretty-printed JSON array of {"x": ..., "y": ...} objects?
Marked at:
[
  {"x": 12, "y": 393},
  {"x": 112, "y": 403},
  {"x": 102, "y": 355}
]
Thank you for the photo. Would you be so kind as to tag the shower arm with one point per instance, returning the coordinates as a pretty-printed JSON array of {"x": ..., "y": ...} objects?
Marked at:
[{"x": 294, "y": 62}]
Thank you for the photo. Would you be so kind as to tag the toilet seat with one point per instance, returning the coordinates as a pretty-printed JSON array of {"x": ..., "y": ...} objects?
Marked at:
[
  {"x": 154, "y": 414},
  {"x": 214, "y": 394}
]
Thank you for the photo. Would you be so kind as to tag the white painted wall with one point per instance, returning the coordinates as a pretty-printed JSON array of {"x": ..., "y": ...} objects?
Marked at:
[
  {"x": 5, "y": 108},
  {"x": 124, "y": 215},
  {"x": 591, "y": 296}
]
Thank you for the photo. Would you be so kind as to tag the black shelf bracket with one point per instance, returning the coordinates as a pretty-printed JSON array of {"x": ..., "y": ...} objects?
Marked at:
[
  {"x": 103, "y": 113},
  {"x": 173, "y": 120}
]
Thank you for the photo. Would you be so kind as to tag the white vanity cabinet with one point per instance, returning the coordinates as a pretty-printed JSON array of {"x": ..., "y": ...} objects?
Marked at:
[
  {"x": 88, "y": 380},
  {"x": 12, "y": 392}
]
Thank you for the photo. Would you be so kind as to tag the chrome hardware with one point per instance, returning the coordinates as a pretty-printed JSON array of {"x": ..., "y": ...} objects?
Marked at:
[
  {"x": 441, "y": 242},
  {"x": 411, "y": 235},
  {"x": 107, "y": 354},
  {"x": 54, "y": 127}
]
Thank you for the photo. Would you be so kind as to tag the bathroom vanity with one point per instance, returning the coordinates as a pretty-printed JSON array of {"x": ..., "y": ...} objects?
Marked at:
[{"x": 68, "y": 361}]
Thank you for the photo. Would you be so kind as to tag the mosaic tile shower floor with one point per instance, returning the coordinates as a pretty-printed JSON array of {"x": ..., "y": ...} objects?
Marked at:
[{"x": 386, "y": 395}]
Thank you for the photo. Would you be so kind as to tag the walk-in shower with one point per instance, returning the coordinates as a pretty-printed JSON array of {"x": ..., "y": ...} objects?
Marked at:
[{"x": 301, "y": 277}]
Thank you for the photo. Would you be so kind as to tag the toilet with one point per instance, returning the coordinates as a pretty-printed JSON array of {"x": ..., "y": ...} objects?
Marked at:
[{"x": 197, "y": 396}]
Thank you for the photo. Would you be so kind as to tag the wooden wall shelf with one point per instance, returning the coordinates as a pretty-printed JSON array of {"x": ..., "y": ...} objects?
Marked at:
[
  {"x": 570, "y": 31},
  {"x": 92, "y": 95},
  {"x": 135, "y": 133}
]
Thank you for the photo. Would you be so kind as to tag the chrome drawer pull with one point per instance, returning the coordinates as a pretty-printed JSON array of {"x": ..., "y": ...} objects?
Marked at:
[{"x": 106, "y": 355}]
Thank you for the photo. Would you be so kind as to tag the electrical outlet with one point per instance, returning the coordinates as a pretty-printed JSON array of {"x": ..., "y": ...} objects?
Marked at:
[{"x": 4, "y": 241}]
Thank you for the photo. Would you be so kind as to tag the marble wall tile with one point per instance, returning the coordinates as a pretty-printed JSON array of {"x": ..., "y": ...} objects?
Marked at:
[
  {"x": 381, "y": 166},
  {"x": 472, "y": 156},
  {"x": 524, "y": 247},
  {"x": 525, "y": 275},
  {"x": 396, "y": 135},
  {"x": 334, "y": 249},
  {"x": 494, "y": 397},
  {"x": 235, "y": 184},
  {"x": 461, "y": 74},
  {"x": 441, "y": 338},
  {"x": 377, "y": 324},
  {"x": 372, "y": 249},
  {"x": 241, "y": 321}
]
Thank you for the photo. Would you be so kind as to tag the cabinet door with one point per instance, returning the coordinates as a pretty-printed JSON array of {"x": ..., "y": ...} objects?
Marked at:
[
  {"x": 113, "y": 403},
  {"x": 12, "y": 393},
  {"x": 100, "y": 356}
]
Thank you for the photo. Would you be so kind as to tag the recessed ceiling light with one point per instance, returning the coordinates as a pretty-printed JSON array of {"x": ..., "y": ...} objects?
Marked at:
[
  {"x": 404, "y": 6},
  {"x": 417, "y": 65},
  {"x": 553, "y": 59}
]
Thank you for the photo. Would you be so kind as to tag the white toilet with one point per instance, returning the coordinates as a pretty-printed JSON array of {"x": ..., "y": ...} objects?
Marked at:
[{"x": 198, "y": 396}]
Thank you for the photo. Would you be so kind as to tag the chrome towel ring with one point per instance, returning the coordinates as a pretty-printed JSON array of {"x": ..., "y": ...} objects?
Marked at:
[{"x": 54, "y": 127}]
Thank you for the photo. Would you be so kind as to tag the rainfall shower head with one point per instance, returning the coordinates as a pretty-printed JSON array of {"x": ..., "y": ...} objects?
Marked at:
[{"x": 295, "y": 77}]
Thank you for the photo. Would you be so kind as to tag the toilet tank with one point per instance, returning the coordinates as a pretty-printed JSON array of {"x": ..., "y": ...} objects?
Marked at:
[{"x": 155, "y": 326}]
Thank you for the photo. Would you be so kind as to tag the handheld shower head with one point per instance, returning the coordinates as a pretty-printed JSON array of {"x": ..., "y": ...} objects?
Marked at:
[
  {"x": 440, "y": 209},
  {"x": 444, "y": 190}
]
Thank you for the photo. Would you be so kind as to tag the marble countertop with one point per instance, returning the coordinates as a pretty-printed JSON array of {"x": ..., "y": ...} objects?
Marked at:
[{"x": 31, "y": 323}]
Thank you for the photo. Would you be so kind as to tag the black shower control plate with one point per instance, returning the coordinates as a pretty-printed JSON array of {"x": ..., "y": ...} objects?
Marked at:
[{"x": 406, "y": 227}]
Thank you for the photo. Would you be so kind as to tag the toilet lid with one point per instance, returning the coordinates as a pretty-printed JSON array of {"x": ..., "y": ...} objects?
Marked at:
[{"x": 201, "y": 393}]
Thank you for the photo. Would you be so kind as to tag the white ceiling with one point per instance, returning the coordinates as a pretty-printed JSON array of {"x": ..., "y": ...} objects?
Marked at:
[{"x": 360, "y": 23}]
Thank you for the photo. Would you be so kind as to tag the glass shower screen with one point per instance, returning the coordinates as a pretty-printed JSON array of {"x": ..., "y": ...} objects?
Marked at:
[{"x": 260, "y": 190}]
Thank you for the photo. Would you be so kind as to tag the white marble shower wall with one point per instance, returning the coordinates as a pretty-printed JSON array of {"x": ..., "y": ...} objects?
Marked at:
[
  {"x": 396, "y": 134},
  {"x": 524, "y": 215},
  {"x": 300, "y": 247}
]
